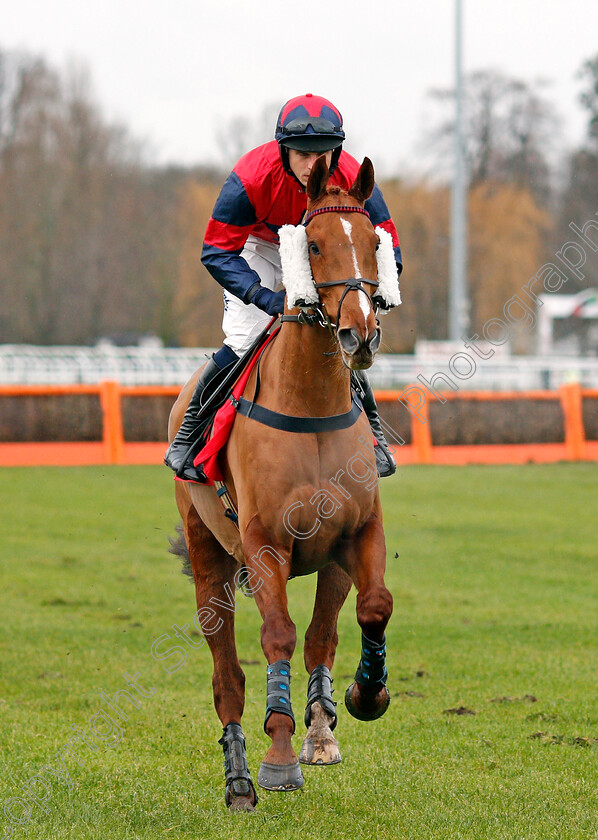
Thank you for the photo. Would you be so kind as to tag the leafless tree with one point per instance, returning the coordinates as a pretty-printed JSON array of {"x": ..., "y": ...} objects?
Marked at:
[
  {"x": 86, "y": 237},
  {"x": 241, "y": 133},
  {"x": 510, "y": 128}
]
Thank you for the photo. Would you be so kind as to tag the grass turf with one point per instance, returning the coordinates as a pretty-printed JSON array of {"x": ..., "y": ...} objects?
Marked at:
[{"x": 494, "y": 576}]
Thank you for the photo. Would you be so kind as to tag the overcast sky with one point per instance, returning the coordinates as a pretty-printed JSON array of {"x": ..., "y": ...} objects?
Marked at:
[{"x": 175, "y": 72}]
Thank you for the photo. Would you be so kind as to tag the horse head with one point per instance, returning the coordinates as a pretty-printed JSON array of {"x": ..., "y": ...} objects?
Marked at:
[{"x": 339, "y": 265}]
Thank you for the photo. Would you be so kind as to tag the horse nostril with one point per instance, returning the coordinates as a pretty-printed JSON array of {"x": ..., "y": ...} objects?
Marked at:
[
  {"x": 373, "y": 341},
  {"x": 350, "y": 340}
]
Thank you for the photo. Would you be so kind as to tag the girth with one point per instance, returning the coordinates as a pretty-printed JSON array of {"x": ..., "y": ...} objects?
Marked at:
[{"x": 302, "y": 425}]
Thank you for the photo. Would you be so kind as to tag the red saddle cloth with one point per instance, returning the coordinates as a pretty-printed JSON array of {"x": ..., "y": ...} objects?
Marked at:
[{"x": 223, "y": 423}]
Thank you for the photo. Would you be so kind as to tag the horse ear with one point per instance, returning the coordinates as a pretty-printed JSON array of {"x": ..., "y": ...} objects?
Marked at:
[
  {"x": 364, "y": 183},
  {"x": 318, "y": 179}
]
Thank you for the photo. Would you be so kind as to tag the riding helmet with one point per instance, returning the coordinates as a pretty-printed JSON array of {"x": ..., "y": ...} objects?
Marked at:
[{"x": 310, "y": 123}]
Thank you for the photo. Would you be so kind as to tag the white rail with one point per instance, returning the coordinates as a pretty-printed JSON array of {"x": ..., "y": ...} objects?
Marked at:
[{"x": 29, "y": 364}]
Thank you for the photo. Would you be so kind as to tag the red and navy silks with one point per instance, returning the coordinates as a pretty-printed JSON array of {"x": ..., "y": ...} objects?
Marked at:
[
  {"x": 259, "y": 197},
  {"x": 207, "y": 457}
]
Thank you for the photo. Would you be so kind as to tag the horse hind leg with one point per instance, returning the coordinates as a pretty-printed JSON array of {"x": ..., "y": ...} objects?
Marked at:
[
  {"x": 214, "y": 573},
  {"x": 320, "y": 747},
  {"x": 240, "y": 794}
]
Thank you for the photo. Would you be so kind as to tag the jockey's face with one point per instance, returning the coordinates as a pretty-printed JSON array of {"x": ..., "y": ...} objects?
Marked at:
[{"x": 301, "y": 163}]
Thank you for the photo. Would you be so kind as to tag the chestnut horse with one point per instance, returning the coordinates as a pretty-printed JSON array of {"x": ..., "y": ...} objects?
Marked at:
[{"x": 307, "y": 497}]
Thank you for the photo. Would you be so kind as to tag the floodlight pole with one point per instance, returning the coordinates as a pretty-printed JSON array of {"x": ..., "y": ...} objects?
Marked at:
[{"x": 458, "y": 307}]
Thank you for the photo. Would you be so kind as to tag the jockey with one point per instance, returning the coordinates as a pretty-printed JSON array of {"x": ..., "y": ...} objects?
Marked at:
[{"x": 266, "y": 190}]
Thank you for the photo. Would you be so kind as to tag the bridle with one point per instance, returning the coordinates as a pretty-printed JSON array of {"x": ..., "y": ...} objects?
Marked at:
[{"x": 319, "y": 316}]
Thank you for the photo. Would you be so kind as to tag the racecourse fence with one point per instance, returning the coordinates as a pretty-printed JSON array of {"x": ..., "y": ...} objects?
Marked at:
[
  {"x": 113, "y": 423},
  {"x": 25, "y": 364}
]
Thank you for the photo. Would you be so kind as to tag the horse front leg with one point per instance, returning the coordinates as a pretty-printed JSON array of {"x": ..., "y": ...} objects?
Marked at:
[
  {"x": 214, "y": 572},
  {"x": 320, "y": 746},
  {"x": 270, "y": 567},
  {"x": 365, "y": 561}
]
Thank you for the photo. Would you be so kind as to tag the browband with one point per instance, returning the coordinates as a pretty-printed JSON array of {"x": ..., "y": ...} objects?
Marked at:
[{"x": 334, "y": 209}]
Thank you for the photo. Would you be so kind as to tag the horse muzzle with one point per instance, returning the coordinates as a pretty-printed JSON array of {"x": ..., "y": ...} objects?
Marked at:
[{"x": 358, "y": 353}]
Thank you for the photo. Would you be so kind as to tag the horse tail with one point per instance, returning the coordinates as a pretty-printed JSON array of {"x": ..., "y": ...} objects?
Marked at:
[{"x": 178, "y": 547}]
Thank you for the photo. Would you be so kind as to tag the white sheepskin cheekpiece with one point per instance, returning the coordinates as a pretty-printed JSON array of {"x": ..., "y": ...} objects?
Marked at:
[
  {"x": 296, "y": 270},
  {"x": 388, "y": 275}
]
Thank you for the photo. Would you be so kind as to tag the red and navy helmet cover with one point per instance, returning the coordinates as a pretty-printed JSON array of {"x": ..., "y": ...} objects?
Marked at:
[
  {"x": 257, "y": 198},
  {"x": 307, "y": 137},
  {"x": 309, "y": 106}
]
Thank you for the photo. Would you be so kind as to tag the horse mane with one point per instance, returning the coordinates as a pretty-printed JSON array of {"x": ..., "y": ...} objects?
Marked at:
[
  {"x": 336, "y": 193},
  {"x": 340, "y": 195}
]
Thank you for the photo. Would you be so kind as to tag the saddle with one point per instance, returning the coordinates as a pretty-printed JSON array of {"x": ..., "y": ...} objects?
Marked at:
[{"x": 219, "y": 411}]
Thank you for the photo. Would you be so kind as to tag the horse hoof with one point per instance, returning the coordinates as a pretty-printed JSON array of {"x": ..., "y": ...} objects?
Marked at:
[
  {"x": 319, "y": 745},
  {"x": 366, "y": 706},
  {"x": 320, "y": 751},
  {"x": 241, "y": 803},
  {"x": 241, "y": 796},
  {"x": 280, "y": 776}
]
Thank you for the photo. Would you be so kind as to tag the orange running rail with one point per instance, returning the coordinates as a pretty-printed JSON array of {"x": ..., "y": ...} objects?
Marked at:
[{"x": 114, "y": 449}]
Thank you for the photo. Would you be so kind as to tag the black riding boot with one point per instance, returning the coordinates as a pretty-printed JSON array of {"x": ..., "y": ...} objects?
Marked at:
[
  {"x": 179, "y": 456},
  {"x": 385, "y": 463}
]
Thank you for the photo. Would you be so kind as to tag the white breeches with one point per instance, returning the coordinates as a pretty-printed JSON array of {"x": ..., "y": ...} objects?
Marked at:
[{"x": 243, "y": 322}]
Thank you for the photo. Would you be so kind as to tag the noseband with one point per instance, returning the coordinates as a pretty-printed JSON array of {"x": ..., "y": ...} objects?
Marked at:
[{"x": 320, "y": 316}]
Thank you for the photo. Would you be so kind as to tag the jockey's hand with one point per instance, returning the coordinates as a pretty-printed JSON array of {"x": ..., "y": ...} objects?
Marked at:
[{"x": 268, "y": 301}]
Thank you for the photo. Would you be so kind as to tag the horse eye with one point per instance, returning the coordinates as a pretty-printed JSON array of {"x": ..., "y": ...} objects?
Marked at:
[
  {"x": 313, "y": 248},
  {"x": 377, "y": 244}
]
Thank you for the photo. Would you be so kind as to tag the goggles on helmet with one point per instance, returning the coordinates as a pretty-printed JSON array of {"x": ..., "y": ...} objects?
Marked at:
[{"x": 320, "y": 125}]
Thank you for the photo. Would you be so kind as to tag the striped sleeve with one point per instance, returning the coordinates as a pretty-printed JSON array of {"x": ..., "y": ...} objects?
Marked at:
[
  {"x": 232, "y": 220},
  {"x": 380, "y": 215}
]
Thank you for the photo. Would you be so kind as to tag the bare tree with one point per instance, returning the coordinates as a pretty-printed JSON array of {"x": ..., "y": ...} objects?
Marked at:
[
  {"x": 242, "y": 133},
  {"x": 509, "y": 130},
  {"x": 86, "y": 231}
]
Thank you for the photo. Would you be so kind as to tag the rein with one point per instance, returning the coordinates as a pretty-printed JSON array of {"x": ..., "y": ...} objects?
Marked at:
[{"x": 320, "y": 317}]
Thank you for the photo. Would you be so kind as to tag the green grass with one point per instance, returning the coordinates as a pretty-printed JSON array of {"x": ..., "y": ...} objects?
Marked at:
[{"x": 495, "y": 588}]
